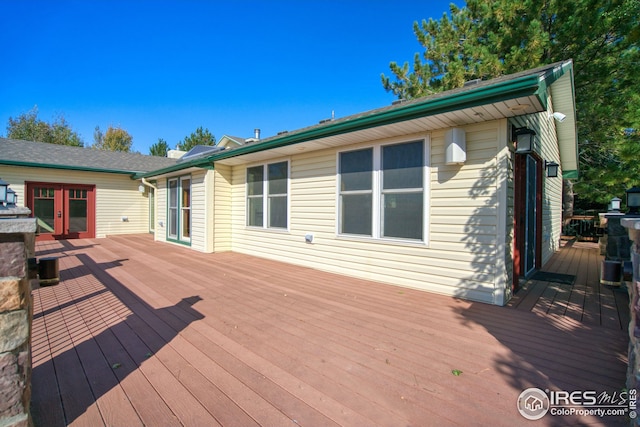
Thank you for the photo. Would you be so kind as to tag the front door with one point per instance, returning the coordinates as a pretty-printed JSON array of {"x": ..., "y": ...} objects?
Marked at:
[
  {"x": 528, "y": 216},
  {"x": 63, "y": 211},
  {"x": 531, "y": 215}
]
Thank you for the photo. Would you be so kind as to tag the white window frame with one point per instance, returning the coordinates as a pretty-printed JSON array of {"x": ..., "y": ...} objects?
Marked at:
[
  {"x": 179, "y": 209},
  {"x": 266, "y": 197},
  {"x": 377, "y": 208},
  {"x": 182, "y": 209}
]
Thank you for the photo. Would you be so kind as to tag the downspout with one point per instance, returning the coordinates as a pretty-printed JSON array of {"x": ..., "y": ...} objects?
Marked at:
[{"x": 148, "y": 184}]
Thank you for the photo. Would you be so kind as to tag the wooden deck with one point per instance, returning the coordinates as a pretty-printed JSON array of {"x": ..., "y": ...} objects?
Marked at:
[
  {"x": 585, "y": 300},
  {"x": 144, "y": 333}
]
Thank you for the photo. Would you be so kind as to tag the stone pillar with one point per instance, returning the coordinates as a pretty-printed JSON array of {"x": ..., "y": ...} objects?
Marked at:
[
  {"x": 17, "y": 246},
  {"x": 633, "y": 371}
]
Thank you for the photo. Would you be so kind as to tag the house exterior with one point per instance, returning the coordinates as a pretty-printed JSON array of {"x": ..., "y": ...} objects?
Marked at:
[
  {"x": 80, "y": 192},
  {"x": 430, "y": 193}
]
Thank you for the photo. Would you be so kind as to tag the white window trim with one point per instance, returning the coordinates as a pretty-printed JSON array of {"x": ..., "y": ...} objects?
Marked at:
[
  {"x": 169, "y": 208},
  {"x": 181, "y": 209},
  {"x": 377, "y": 193},
  {"x": 265, "y": 197},
  {"x": 178, "y": 237}
]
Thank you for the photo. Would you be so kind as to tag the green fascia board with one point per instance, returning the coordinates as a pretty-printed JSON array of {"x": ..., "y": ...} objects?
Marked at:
[
  {"x": 66, "y": 167},
  {"x": 204, "y": 163},
  {"x": 549, "y": 79},
  {"x": 573, "y": 174}
]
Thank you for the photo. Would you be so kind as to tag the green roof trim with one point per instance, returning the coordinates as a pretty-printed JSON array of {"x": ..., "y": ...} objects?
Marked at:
[
  {"x": 204, "y": 163},
  {"x": 65, "y": 167},
  {"x": 560, "y": 70},
  {"x": 570, "y": 174}
]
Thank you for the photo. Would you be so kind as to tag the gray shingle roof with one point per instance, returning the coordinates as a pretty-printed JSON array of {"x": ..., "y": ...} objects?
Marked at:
[{"x": 39, "y": 154}]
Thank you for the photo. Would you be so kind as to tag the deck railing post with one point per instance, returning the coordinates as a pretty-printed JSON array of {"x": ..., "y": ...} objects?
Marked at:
[
  {"x": 17, "y": 245},
  {"x": 633, "y": 372}
]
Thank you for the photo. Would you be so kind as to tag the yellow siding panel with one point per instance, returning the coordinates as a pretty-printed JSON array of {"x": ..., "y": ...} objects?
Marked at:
[
  {"x": 222, "y": 209},
  {"x": 460, "y": 258},
  {"x": 117, "y": 196}
]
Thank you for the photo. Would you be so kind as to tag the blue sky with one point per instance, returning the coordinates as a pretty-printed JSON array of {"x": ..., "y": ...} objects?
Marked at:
[{"x": 160, "y": 69}]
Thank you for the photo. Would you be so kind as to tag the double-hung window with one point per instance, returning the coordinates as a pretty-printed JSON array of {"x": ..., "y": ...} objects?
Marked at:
[
  {"x": 179, "y": 209},
  {"x": 382, "y": 191},
  {"x": 268, "y": 195}
]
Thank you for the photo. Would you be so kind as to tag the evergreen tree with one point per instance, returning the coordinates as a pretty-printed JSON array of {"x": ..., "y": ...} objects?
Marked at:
[
  {"x": 160, "y": 148},
  {"x": 488, "y": 39},
  {"x": 199, "y": 137}
]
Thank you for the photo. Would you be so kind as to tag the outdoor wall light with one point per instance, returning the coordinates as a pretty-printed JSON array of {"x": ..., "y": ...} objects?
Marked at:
[
  {"x": 552, "y": 168},
  {"x": 12, "y": 198},
  {"x": 633, "y": 200},
  {"x": 614, "y": 205},
  {"x": 558, "y": 116},
  {"x": 3, "y": 191},
  {"x": 524, "y": 138}
]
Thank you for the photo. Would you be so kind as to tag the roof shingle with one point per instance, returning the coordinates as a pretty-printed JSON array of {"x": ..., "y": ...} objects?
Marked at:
[{"x": 39, "y": 154}]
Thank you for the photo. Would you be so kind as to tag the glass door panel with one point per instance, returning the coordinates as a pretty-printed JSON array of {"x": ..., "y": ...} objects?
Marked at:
[
  {"x": 185, "y": 207},
  {"x": 76, "y": 214},
  {"x": 44, "y": 209},
  {"x": 531, "y": 216}
]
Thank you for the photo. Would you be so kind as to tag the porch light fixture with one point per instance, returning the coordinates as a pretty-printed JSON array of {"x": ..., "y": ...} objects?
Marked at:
[
  {"x": 12, "y": 198},
  {"x": 614, "y": 205},
  {"x": 552, "y": 168},
  {"x": 3, "y": 191},
  {"x": 633, "y": 200},
  {"x": 524, "y": 138}
]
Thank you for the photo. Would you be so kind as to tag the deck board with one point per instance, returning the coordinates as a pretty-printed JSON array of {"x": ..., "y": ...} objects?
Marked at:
[{"x": 228, "y": 339}]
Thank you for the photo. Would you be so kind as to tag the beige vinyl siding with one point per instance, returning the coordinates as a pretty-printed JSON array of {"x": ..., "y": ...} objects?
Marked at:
[
  {"x": 548, "y": 149},
  {"x": 552, "y": 187},
  {"x": 161, "y": 210},
  {"x": 199, "y": 211},
  {"x": 222, "y": 208},
  {"x": 117, "y": 196},
  {"x": 462, "y": 232}
]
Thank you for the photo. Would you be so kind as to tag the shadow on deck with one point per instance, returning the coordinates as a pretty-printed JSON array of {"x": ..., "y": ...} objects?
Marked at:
[{"x": 582, "y": 298}]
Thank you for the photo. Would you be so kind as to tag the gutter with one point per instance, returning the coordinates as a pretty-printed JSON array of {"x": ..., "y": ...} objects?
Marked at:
[{"x": 66, "y": 167}]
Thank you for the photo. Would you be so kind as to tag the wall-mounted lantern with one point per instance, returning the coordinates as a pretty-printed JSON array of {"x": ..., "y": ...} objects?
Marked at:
[
  {"x": 3, "y": 191},
  {"x": 552, "y": 168},
  {"x": 524, "y": 138},
  {"x": 614, "y": 205},
  {"x": 12, "y": 198},
  {"x": 633, "y": 200}
]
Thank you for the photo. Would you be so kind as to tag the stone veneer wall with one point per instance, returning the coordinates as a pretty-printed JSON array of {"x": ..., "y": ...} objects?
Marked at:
[
  {"x": 17, "y": 245},
  {"x": 633, "y": 372}
]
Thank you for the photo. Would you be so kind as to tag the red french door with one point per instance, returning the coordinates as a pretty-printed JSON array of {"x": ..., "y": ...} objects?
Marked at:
[
  {"x": 63, "y": 211},
  {"x": 528, "y": 217}
]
